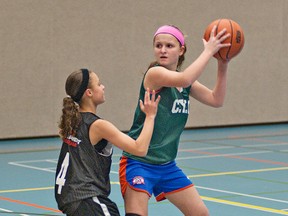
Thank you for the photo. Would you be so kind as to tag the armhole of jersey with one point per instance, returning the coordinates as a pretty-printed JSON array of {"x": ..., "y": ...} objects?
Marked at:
[
  {"x": 189, "y": 89},
  {"x": 90, "y": 124}
]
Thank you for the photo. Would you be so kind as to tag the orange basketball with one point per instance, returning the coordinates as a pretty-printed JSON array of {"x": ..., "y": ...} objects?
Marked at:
[{"x": 236, "y": 38}]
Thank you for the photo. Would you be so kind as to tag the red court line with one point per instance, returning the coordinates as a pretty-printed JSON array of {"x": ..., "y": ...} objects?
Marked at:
[
  {"x": 270, "y": 141},
  {"x": 240, "y": 157},
  {"x": 259, "y": 160},
  {"x": 30, "y": 204}
]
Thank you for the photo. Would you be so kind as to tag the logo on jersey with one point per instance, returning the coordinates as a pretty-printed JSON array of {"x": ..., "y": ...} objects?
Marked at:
[
  {"x": 137, "y": 180},
  {"x": 72, "y": 141},
  {"x": 180, "y": 106}
]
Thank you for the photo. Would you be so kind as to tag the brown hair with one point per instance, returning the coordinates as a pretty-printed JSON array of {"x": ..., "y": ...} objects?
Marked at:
[{"x": 70, "y": 118}]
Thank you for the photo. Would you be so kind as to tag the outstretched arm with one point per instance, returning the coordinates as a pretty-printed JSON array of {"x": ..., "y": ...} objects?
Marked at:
[{"x": 102, "y": 129}]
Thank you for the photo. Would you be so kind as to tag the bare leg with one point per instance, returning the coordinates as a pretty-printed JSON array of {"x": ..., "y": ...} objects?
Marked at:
[
  {"x": 189, "y": 202},
  {"x": 136, "y": 202}
]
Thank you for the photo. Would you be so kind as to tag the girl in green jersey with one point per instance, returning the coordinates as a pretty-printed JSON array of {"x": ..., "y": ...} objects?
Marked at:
[{"x": 157, "y": 172}]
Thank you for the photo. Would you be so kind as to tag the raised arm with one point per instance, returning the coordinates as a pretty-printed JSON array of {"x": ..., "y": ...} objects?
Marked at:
[
  {"x": 158, "y": 77},
  {"x": 215, "y": 97},
  {"x": 102, "y": 129}
]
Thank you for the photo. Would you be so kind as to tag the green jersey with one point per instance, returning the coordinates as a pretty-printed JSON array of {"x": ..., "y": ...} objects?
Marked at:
[{"x": 173, "y": 110}]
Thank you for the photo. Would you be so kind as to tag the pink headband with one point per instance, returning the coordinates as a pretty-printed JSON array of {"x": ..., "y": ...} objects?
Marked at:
[{"x": 166, "y": 29}]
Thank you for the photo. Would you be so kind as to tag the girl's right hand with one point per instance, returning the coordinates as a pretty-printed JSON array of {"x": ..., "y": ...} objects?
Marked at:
[
  {"x": 150, "y": 105},
  {"x": 215, "y": 41}
]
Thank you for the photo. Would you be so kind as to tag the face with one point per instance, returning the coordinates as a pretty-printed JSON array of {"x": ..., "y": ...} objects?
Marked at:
[
  {"x": 96, "y": 89},
  {"x": 167, "y": 50}
]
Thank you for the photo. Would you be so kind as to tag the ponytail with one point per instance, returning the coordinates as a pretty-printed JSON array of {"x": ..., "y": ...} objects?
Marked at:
[
  {"x": 75, "y": 86},
  {"x": 70, "y": 118}
]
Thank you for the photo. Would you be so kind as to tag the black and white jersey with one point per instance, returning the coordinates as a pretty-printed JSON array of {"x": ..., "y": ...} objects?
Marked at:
[{"x": 82, "y": 169}]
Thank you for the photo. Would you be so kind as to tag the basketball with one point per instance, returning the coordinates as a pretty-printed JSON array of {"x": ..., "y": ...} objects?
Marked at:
[{"x": 236, "y": 38}]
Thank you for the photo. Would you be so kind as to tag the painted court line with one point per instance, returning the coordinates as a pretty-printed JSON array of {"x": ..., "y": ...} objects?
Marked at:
[
  {"x": 189, "y": 176},
  {"x": 35, "y": 161},
  {"x": 211, "y": 199},
  {"x": 29, "y": 204},
  {"x": 31, "y": 167},
  {"x": 208, "y": 148},
  {"x": 242, "y": 194},
  {"x": 267, "y": 145},
  {"x": 6, "y": 210},
  {"x": 238, "y": 172},
  {"x": 237, "y": 146},
  {"x": 212, "y": 155},
  {"x": 244, "y": 205},
  {"x": 26, "y": 189},
  {"x": 242, "y": 137},
  {"x": 40, "y": 188},
  {"x": 24, "y": 164},
  {"x": 234, "y": 156}
]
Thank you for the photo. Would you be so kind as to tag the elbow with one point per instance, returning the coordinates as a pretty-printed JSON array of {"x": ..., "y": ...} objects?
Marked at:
[
  {"x": 218, "y": 104},
  {"x": 141, "y": 153},
  {"x": 140, "y": 150},
  {"x": 217, "y": 101},
  {"x": 186, "y": 83}
]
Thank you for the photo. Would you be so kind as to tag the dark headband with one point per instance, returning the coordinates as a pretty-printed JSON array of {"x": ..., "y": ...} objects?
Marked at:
[{"x": 83, "y": 86}]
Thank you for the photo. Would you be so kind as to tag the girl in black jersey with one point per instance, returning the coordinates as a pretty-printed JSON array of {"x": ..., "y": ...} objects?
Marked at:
[{"x": 82, "y": 183}]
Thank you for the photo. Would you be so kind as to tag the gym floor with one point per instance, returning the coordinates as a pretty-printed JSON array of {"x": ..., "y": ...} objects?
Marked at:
[{"x": 238, "y": 171}]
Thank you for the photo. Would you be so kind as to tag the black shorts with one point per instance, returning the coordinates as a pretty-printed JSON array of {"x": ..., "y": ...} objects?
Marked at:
[{"x": 97, "y": 206}]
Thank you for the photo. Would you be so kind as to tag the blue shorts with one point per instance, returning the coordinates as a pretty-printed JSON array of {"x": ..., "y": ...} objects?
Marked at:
[{"x": 159, "y": 180}]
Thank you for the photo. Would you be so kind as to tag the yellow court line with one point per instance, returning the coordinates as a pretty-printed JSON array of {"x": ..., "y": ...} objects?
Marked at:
[
  {"x": 238, "y": 172},
  {"x": 244, "y": 205},
  {"x": 37, "y": 189},
  {"x": 189, "y": 176}
]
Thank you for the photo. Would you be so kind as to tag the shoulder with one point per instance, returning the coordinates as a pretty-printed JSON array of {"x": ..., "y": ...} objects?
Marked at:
[
  {"x": 154, "y": 77},
  {"x": 89, "y": 118},
  {"x": 100, "y": 124},
  {"x": 101, "y": 129},
  {"x": 156, "y": 70}
]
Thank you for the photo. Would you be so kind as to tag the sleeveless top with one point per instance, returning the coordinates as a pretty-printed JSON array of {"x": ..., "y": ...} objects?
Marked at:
[
  {"x": 82, "y": 169},
  {"x": 171, "y": 118}
]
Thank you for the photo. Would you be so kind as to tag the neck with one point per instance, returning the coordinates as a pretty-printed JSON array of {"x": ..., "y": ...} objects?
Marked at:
[{"x": 90, "y": 109}]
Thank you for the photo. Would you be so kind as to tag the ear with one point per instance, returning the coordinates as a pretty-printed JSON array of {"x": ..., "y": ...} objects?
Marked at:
[
  {"x": 88, "y": 92},
  {"x": 182, "y": 50}
]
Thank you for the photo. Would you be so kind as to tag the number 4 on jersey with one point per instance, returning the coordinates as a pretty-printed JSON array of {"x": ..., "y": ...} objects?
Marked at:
[{"x": 60, "y": 180}]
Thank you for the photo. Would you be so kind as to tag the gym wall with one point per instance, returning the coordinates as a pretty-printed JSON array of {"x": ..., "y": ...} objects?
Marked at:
[{"x": 42, "y": 42}]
